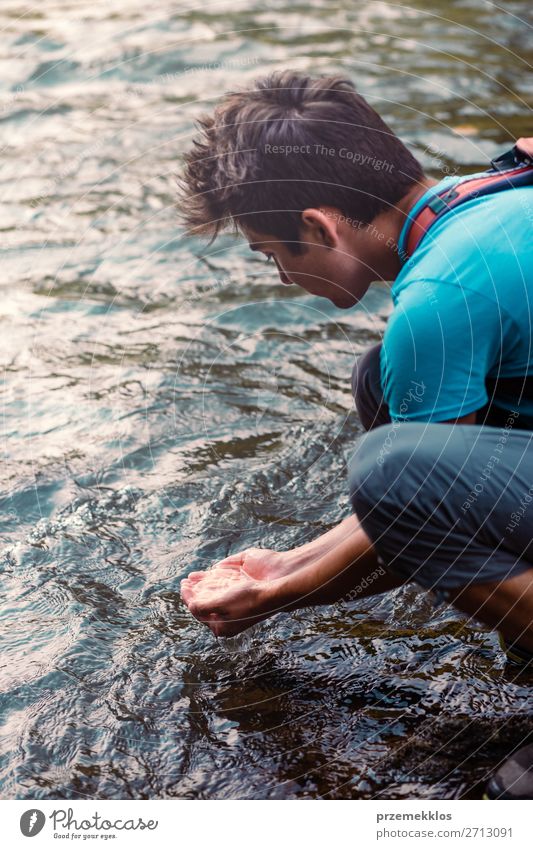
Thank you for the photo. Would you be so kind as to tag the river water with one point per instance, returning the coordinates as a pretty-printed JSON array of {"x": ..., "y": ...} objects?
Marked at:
[{"x": 164, "y": 405}]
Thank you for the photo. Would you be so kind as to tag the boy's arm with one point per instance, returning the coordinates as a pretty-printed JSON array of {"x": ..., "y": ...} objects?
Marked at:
[
  {"x": 337, "y": 574},
  {"x": 228, "y": 600}
]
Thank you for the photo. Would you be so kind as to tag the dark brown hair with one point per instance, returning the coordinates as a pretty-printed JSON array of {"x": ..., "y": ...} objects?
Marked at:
[{"x": 289, "y": 143}]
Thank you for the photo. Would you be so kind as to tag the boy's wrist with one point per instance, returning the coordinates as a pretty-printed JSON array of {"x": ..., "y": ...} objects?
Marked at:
[
  {"x": 279, "y": 595},
  {"x": 289, "y": 590}
]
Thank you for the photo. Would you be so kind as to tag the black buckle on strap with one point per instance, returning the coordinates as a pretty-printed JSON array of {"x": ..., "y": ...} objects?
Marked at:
[
  {"x": 510, "y": 159},
  {"x": 439, "y": 203}
]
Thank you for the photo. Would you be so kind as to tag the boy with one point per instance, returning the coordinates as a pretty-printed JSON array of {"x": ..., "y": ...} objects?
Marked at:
[{"x": 309, "y": 173}]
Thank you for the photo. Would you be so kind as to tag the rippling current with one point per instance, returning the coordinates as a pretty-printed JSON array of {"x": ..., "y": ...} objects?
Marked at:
[{"x": 164, "y": 404}]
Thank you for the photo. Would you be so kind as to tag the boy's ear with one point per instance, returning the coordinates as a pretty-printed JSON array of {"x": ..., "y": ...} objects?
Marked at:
[{"x": 321, "y": 225}]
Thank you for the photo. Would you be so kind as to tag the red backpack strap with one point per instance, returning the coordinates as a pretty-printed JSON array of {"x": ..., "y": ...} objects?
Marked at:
[{"x": 512, "y": 169}]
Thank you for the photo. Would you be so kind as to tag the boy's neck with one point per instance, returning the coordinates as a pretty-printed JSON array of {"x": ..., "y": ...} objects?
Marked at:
[{"x": 392, "y": 224}]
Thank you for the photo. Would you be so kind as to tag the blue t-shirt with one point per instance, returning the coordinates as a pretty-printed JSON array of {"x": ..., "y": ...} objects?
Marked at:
[{"x": 463, "y": 310}]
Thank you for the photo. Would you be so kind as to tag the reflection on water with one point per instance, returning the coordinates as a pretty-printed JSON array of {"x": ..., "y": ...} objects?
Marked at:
[{"x": 163, "y": 407}]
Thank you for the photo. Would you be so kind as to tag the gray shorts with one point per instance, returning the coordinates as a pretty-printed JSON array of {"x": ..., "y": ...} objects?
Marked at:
[{"x": 446, "y": 505}]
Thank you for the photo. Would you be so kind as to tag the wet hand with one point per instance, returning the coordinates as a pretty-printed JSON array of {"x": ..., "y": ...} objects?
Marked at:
[{"x": 227, "y": 598}]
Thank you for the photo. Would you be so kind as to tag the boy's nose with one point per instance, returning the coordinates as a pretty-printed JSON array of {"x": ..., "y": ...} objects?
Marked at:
[{"x": 282, "y": 276}]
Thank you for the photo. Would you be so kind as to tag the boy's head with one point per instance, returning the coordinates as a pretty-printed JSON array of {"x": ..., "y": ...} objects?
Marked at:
[{"x": 306, "y": 170}]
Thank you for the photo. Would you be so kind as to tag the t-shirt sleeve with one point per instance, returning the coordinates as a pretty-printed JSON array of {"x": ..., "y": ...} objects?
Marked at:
[{"x": 437, "y": 351}]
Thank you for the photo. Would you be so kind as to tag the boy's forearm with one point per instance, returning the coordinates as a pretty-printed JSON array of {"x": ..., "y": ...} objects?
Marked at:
[
  {"x": 322, "y": 545},
  {"x": 336, "y": 574}
]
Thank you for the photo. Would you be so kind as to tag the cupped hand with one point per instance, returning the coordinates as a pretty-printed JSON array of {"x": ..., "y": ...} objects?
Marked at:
[{"x": 236, "y": 593}]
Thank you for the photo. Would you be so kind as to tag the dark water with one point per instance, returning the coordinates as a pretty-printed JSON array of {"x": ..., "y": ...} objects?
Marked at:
[{"x": 162, "y": 407}]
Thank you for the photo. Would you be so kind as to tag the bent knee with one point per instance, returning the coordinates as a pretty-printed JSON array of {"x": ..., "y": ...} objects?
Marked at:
[
  {"x": 388, "y": 456},
  {"x": 365, "y": 471},
  {"x": 366, "y": 371}
]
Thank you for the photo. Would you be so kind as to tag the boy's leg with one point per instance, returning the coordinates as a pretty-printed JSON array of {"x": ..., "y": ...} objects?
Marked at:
[
  {"x": 506, "y": 606},
  {"x": 451, "y": 507},
  {"x": 366, "y": 389},
  {"x": 374, "y": 412}
]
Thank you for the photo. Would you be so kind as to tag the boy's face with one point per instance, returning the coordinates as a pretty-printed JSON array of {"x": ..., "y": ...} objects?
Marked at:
[{"x": 338, "y": 262}]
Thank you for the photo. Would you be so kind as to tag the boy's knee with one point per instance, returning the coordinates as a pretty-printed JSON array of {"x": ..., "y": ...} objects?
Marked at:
[
  {"x": 365, "y": 471},
  {"x": 366, "y": 372},
  {"x": 367, "y": 391},
  {"x": 377, "y": 468}
]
